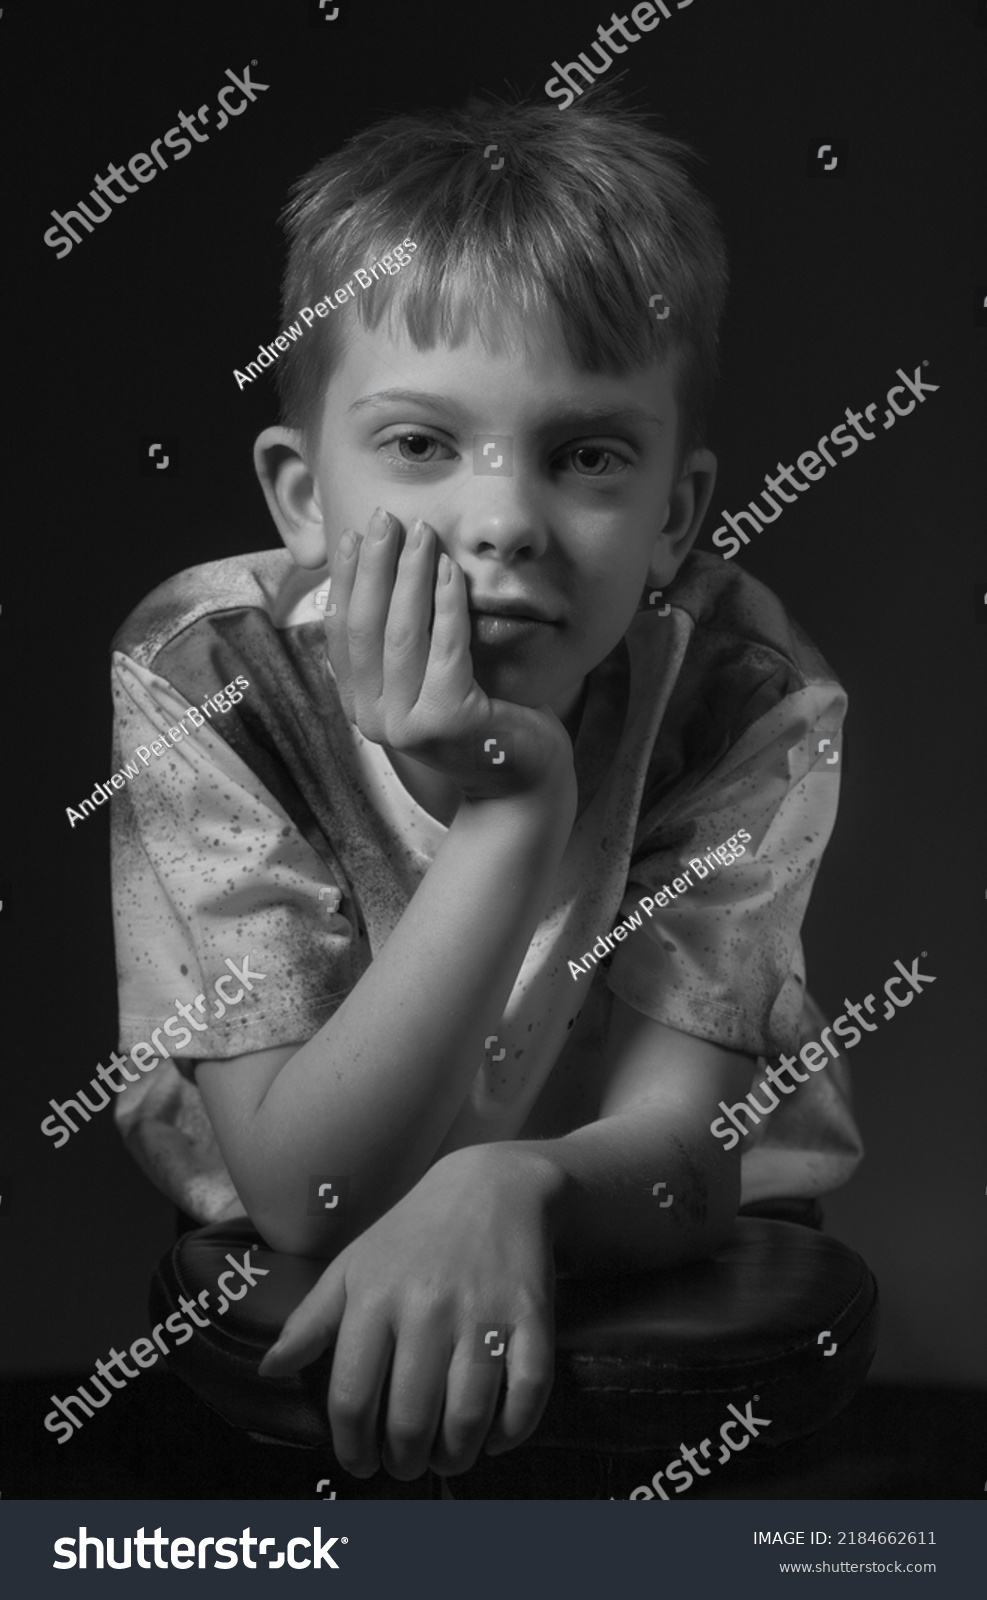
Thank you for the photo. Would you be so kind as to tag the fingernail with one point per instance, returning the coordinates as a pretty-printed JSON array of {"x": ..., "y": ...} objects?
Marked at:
[
  {"x": 272, "y": 1354},
  {"x": 416, "y": 534},
  {"x": 347, "y": 543},
  {"x": 445, "y": 569},
  {"x": 380, "y": 523}
]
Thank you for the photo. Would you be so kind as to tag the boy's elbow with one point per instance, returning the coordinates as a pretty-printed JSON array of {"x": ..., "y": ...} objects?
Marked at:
[
  {"x": 285, "y": 1238},
  {"x": 723, "y": 1202},
  {"x": 292, "y": 1236},
  {"x": 712, "y": 1209},
  {"x": 321, "y": 1235},
  {"x": 283, "y": 1225},
  {"x": 698, "y": 1241}
]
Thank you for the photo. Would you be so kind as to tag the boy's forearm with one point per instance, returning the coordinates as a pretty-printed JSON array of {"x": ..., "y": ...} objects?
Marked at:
[
  {"x": 635, "y": 1193},
  {"x": 372, "y": 1095}
]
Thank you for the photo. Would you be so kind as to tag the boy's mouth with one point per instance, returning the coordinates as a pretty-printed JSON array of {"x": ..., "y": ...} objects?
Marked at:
[
  {"x": 530, "y": 610},
  {"x": 508, "y": 621},
  {"x": 488, "y": 629}
]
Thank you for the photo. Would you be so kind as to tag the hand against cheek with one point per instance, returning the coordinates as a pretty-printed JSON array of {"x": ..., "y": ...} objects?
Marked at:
[
  {"x": 467, "y": 1251},
  {"x": 399, "y": 647}
]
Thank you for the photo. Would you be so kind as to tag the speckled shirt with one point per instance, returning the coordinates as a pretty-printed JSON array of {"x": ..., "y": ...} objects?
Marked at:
[{"x": 277, "y": 829}]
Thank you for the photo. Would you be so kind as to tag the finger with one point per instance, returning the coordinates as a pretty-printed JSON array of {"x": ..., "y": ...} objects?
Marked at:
[
  {"x": 367, "y": 612},
  {"x": 406, "y": 637},
  {"x": 530, "y": 1369},
  {"x": 334, "y": 618},
  {"x": 311, "y": 1326},
  {"x": 472, "y": 1391},
  {"x": 359, "y": 1372},
  {"x": 449, "y": 674},
  {"x": 414, "y": 1403}
]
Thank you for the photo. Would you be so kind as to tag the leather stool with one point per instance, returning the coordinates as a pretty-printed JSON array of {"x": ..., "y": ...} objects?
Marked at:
[{"x": 643, "y": 1363}]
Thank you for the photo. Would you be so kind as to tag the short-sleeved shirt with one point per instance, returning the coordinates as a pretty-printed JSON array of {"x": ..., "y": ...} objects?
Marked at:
[{"x": 276, "y": 828}]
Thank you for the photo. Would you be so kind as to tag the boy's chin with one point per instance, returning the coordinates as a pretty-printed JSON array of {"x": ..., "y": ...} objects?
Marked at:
[
  {"x": 512, "y": 680},
  {"x": 521, "y": 689},
  {"x": 503, "y": 681}
]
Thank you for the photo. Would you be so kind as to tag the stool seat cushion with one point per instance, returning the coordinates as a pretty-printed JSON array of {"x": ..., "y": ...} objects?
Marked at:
[{"x": 642, "y": 1362}]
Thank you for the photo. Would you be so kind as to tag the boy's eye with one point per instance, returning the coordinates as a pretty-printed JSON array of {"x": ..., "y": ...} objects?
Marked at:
[
  {"x": 594, "y": 461},
  {"x": 414, "y": 448}
]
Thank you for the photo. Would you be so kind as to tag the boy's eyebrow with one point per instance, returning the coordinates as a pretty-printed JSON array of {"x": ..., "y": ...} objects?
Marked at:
[
  {"x": 386, "y": 397},
  {"x": 589, "y": 417}
]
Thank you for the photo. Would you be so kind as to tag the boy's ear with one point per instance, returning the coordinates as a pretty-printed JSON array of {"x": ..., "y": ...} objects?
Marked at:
[
  {"x": 292, "y": 495},
  {"x": 687, "y": 507}
]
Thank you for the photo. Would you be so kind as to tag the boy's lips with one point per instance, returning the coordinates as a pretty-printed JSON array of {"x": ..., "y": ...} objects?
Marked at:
[
  {"x": 509, "y": 619},
  {"x": 520, "y": 609},
  {"x": 507, "y": 627}
]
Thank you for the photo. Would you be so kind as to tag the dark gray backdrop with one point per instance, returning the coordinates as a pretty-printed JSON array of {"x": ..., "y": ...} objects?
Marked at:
[{"x": 836, "y": 283}]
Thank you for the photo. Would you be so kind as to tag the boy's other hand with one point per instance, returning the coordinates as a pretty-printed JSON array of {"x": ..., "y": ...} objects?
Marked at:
[
  {"x": 468, "y": 1248},
  {"x": 398, "y": 643}
]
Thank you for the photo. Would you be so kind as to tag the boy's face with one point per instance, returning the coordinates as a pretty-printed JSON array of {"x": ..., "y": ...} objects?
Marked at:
[{"x": 554, "y": 490}]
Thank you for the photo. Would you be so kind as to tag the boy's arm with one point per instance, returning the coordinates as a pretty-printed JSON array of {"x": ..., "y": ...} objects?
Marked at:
[
  {"x": 370, "y": 1098},
  {"x": 372, "y": 1095},
  {"x": 470, "y": 1255},
  {"x": 662, "y": 1093}
]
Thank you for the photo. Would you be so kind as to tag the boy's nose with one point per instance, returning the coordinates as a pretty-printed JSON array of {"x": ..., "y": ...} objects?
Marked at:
[{"x": 501, "y": 515}]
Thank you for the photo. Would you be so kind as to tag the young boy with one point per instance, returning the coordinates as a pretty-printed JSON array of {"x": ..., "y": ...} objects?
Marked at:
[{"x": 495, "y": 707}]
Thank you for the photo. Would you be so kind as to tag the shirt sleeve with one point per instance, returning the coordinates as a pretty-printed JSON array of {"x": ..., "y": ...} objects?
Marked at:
[
  {"x": 722, "y": 960},
  {"x": 208, "y": 869},
  {"x": 207, "y": 866}
]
